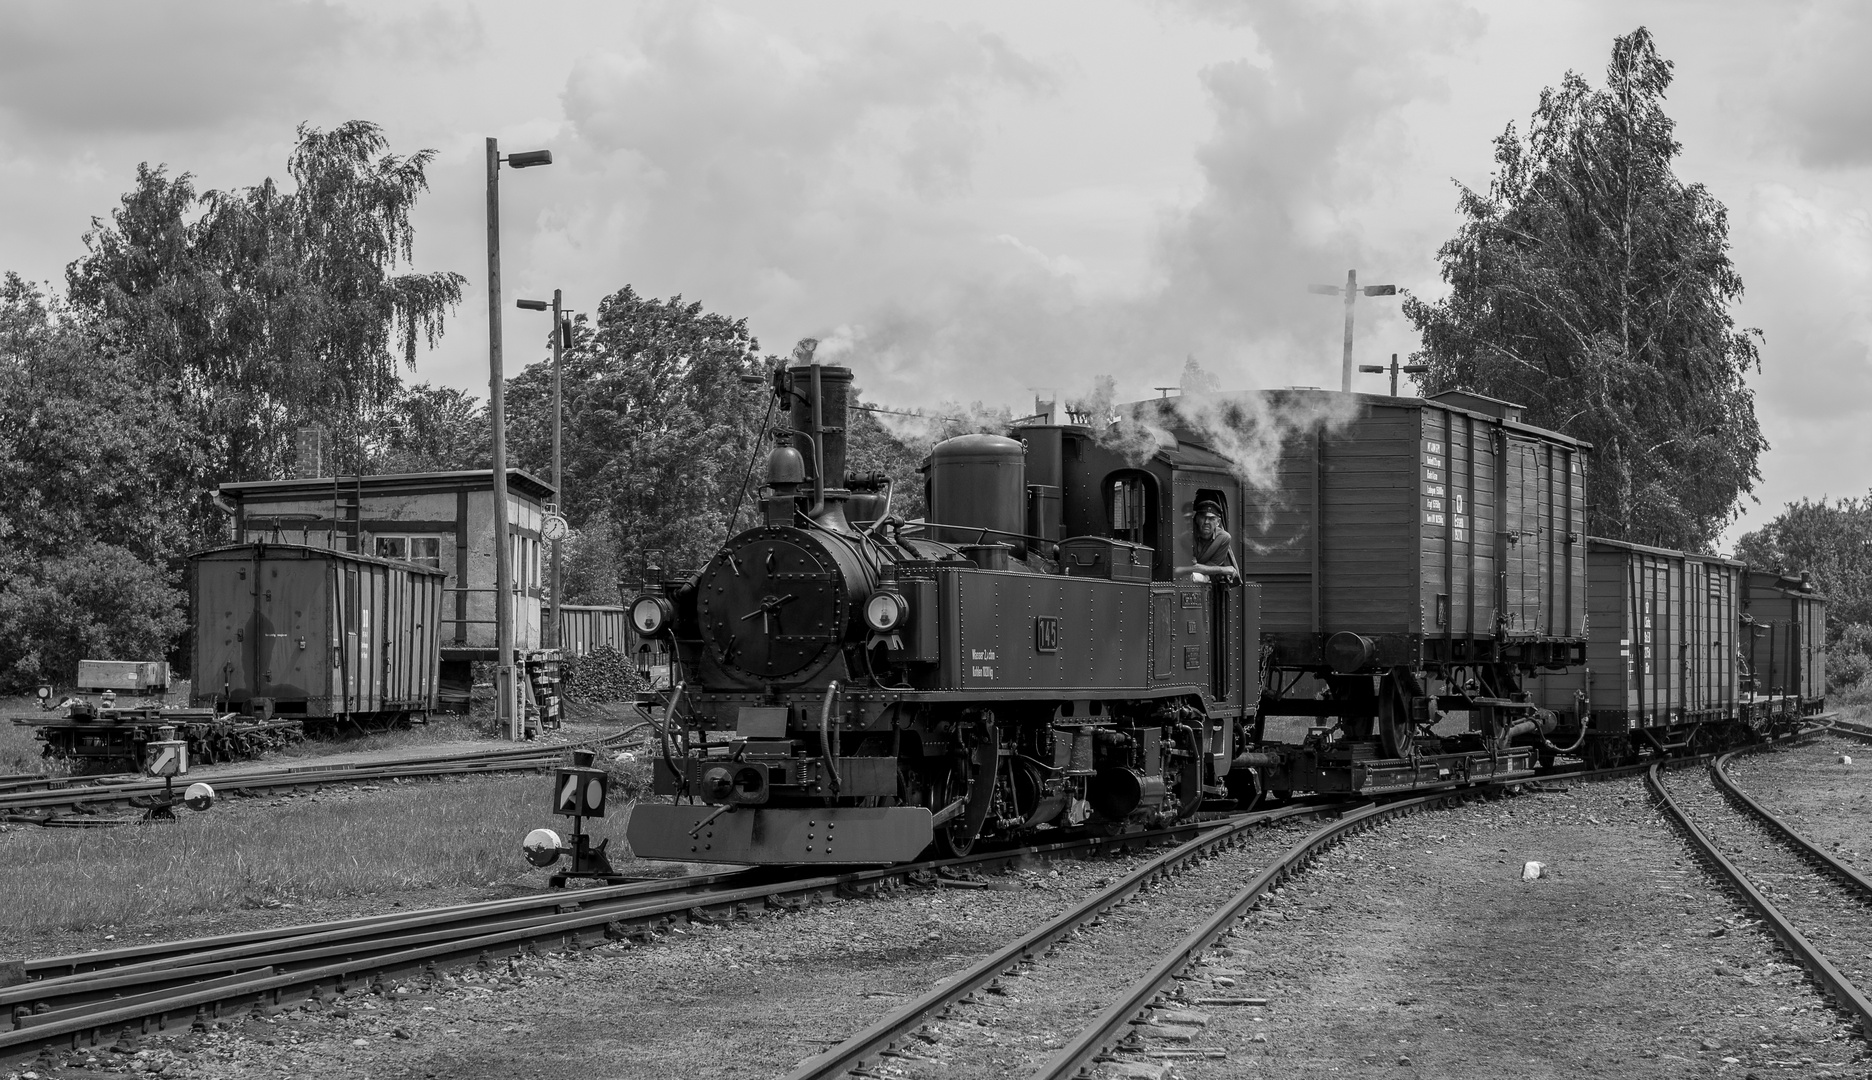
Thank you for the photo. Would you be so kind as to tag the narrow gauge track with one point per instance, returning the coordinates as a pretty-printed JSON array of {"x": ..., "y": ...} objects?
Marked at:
[
  {"x": 1814, "y": 904},
  {"x": 1111, "y": 1025},
  {"x": 82, "y": 802},
  {"x": 86, "y": 999}
]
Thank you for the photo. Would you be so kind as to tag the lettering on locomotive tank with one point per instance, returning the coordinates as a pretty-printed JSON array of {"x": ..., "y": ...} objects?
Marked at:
[
  {"x": 982, "y": 654},
  {"x": 979, "y": 672},
  {"x": 1046, "y": 633}
]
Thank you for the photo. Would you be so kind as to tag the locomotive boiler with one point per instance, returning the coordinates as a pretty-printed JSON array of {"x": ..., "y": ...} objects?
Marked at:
[{"x": 854, "y": 688}]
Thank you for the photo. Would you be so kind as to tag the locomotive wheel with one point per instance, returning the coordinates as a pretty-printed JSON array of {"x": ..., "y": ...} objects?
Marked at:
[{"x": 952, "y": 839}]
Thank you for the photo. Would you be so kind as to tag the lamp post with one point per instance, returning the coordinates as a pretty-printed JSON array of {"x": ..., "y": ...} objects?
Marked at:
[
  {"x": 1408, "y": 369},
  {"x": 554, "y": 526},
  {"x": 1350, "y": 292},
  {"x": 506, "y": 688}
]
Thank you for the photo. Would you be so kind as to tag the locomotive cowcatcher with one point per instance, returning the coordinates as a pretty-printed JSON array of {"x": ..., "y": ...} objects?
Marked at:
[{"x": 854, "y": 688}]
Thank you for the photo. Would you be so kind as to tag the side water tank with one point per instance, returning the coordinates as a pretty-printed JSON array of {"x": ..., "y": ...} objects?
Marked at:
[{"x": 978, "y": 482}]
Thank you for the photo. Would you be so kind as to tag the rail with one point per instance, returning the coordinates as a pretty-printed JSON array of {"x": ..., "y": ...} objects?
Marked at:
[
  {"x": 88, "y": 998},
  {"x": 1844, "y": 993}
]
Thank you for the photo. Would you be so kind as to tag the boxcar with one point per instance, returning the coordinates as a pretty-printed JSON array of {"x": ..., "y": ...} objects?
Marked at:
[
  {"x": 292, "y": 630},
  {"x": 1784, "y": 645},
  {"x": 1661, "y": 656},
  {"x": 1441, "y": 531}
]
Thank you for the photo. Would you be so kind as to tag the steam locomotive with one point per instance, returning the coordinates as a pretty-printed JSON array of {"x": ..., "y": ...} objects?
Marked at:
[{"x": 1037, "y": 654}]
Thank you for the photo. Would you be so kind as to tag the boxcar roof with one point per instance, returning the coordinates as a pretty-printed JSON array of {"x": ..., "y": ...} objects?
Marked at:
[
  {"x": 1626, "y": 545},
  {"x": 261, "y": 548},
  {"x": 388, "y": 483}
]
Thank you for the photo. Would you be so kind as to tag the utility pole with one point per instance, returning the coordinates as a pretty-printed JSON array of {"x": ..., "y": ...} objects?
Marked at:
[
  {"x": 506, "y": 712},
  {"x": 1350, "y": 292},
  {"x": 506, "y": 687},
  {"x": 553, "y": 527},
  {"x": 558, "y": 335},
  {"x": 1408, "y": 369}
]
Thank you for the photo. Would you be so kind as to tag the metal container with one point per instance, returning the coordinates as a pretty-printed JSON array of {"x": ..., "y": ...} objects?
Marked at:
[
  {"x": 1662, "y": 649},
  {"x": 978, "y": 490},
  {"x": 285, "y": 629}
]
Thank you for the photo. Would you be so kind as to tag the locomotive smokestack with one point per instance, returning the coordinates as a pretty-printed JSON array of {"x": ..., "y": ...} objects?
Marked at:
[{"x": 818, "y": 414}]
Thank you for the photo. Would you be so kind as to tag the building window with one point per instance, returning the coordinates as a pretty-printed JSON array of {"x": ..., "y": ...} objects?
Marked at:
[{"x": 421, "y": 550}]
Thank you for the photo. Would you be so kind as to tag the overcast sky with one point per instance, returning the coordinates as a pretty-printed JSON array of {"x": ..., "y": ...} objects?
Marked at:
[{"x": 981, "y": 200}]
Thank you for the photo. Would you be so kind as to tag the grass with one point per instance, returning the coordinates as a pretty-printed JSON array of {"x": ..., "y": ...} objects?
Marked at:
[{"x": 316, "y": 850}]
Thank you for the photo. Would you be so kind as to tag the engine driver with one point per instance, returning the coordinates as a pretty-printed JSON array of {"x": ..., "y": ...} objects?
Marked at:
[{"x": 1213, "y": 549}]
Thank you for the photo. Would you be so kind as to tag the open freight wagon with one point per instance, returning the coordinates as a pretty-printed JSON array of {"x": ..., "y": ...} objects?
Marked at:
[{"x": 309, "y": 632}]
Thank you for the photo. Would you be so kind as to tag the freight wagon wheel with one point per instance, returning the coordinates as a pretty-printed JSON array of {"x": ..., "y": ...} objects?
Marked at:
[{"x": 1396, "y": 732}]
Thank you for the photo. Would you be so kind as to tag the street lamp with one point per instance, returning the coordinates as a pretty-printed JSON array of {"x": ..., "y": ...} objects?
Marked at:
[
  {"x": 1408, "y": 369},
  {"x": 1351, "y": 292},
  {"x": 506, "y": 709},
  {"x": 553, "y": 527}
]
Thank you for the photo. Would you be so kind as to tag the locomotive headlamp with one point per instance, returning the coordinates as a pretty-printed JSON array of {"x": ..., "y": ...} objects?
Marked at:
[
  {"x": 542, "y": 847},
  {"x": 199, "y": 796},
  {"x": 651, "y": 615},
  {"x": 885, "y": 611}
]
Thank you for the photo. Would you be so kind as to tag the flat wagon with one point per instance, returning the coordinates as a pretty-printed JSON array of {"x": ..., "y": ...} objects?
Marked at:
[
  {"x": 1661, "y": 655},
  {"x": 309, "y": 632}
]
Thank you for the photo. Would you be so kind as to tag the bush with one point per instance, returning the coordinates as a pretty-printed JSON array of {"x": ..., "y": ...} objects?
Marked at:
[
  {"x": 1849, "y": 658},
  {"x": 100, "y": 602}
]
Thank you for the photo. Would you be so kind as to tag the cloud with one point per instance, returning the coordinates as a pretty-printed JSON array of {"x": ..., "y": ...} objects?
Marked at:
[
  {"x": 1808, "y": 257},
  {"x": 77, "y": 69},
  {"x": 1819, "y": 89},
  {"x": 1292, "y": 176},
  {"x": 1305, "y": 135},
  {"x": 764, "y": 169},
  {"x": 95, "y": 67},
  {"x": 813, "y": 181}
]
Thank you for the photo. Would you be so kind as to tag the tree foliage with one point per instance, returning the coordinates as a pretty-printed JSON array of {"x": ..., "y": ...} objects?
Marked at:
[
  {"x": 92, "y": 460},
  {"x": 262, "y": 310},
  {"x": 94, "y": 601},
  {"x": 437, "y": 429},
  {"x": 658, "y": 428},
  {"x": 1594, "y": 286}
]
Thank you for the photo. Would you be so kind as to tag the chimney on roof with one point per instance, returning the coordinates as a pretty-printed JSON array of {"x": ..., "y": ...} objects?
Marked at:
[{"x": 309, "y": 453}]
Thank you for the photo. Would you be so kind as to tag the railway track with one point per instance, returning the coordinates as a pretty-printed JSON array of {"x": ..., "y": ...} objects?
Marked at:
[
  {"x": 1139, "y": 1003},
  {"x": 90, "y": 802},
  {"x": 895, "y": 1034},
  {"x": 89, "y": 998},
  {"x": 1819, "y": 908}
]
